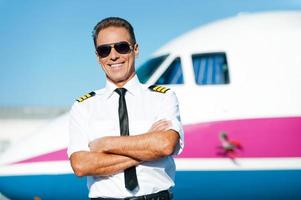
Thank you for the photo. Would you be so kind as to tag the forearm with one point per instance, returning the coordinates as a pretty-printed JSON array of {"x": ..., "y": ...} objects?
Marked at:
[
  {"x": 99, "y": 163},
  {"x": 145, "y": 147}
]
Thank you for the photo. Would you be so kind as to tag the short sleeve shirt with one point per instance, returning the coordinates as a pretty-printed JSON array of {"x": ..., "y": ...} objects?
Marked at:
[{"x": 97, "y": 117}]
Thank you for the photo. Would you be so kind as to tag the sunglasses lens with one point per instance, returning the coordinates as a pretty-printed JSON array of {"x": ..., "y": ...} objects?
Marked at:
[
  {"x": 122, "y": 47},
  {"x": 103, "y": 50}
]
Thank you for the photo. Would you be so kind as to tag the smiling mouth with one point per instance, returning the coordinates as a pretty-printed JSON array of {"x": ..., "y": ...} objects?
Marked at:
[{"x": 116, "y": 65}]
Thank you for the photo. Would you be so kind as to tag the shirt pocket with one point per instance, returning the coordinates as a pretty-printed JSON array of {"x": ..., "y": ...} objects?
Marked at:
[{"x": 101, "y": 128}]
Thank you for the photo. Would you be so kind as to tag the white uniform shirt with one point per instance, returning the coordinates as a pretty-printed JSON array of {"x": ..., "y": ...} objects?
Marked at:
[{"x": 97, "y": 117}]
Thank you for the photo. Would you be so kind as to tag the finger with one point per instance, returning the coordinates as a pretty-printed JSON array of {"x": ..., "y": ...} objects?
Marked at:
[
  {"x": 155, "y": 125},
  {"x": 162, "y": 126},
  {"x": 162, "y": 121},
  {"x": 158, "y": 122}
]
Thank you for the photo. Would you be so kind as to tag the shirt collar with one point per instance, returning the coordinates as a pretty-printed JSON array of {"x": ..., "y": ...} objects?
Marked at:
[{"x": 133, "y": 87}]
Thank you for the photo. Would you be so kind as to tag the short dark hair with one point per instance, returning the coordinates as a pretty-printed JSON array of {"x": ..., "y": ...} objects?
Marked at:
[{"x": 113, "y": 21}]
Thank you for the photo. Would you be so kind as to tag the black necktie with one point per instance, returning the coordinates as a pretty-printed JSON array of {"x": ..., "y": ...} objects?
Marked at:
[{"x": 130, "y": 176}]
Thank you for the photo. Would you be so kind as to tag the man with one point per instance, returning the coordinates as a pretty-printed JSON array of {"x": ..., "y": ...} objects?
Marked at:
[{"x": 122, "y": 136}]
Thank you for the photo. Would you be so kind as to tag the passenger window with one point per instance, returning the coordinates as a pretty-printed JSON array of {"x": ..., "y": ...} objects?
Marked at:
[
  {"x": 146, "y": 70},
  {"x": 211, "y": 68},
  {"x": 173, "y": 74}
]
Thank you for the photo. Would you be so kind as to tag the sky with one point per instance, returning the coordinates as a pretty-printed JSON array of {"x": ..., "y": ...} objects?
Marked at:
[{"x": 46, "y": 50}]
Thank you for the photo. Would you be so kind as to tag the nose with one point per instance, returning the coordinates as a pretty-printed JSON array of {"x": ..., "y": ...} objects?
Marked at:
[{"x": 114, "y": 54}]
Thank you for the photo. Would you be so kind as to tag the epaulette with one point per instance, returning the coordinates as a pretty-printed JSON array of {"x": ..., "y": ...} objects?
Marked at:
[
  {"x": 158, "y": 88},
  {"x": 86, "y": 96}
]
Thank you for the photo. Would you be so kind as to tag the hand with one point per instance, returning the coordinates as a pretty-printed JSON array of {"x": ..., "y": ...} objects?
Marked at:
[
  {"x": 98, "y": 145},
  {"x": 161, "y": 125}
]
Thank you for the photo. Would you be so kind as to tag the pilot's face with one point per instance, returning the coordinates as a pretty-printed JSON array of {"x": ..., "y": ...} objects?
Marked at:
[{"x": 118, "y": 67}]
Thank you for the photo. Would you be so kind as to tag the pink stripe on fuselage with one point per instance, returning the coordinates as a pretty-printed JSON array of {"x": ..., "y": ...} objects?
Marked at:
[
  {"x": 267, "y": 137},
  {"x": 53, "y": 156}
]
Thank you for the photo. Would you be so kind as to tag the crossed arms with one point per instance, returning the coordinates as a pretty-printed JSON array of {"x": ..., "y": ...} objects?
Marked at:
[{"x": 113, "y": 154}]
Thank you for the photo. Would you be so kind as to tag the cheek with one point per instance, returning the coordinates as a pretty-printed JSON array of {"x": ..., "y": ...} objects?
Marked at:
[
  {"x": 131, "y": 60},
  {"x": 102, "y": 63}
]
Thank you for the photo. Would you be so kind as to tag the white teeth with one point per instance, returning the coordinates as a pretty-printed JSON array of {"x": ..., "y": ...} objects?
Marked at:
[{"x": 116, "y": 65}]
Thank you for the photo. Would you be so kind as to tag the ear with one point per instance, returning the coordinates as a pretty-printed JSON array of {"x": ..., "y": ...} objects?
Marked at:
[
  {"x": 136, "y": 50},
  {"x": 97, "y": 57}
]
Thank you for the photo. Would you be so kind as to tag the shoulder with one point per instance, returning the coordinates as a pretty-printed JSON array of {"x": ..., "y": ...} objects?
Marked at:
[
  {"x": 158, "y": 89},
  {"x": 84, "y": 104},
  {"x": 88, "y": 97},
  {"x": 161, "y": 93},
  {"x": 85, "y": 96},
  {"x": 162, "y": 96}
]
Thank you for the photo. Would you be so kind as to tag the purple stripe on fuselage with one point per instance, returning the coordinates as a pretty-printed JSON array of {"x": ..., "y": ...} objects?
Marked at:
[{"x": 266, "y": 137}]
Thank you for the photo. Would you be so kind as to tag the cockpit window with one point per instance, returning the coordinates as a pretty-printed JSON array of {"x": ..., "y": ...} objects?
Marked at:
[
  {"x": 146, "y": 70},
  {"x": 173, "y": 74},
  {"x": 211, "y": 68}
]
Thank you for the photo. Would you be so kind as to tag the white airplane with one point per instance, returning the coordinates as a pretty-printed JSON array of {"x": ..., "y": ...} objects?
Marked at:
[{"x": 238, "y": 82}]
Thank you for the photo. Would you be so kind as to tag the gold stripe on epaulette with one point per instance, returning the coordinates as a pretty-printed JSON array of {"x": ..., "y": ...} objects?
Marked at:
[
  {"x": 86, "y": 96},
  {"x": 164, "y": 89},
  {"x": 158, "y": 88}
]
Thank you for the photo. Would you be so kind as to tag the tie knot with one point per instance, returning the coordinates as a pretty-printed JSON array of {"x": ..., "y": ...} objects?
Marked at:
[{"x": 120, "y": 91}]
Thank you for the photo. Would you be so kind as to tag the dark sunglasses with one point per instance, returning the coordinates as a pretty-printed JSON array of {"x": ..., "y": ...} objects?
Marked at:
[{"x": 121, "y": 47}]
